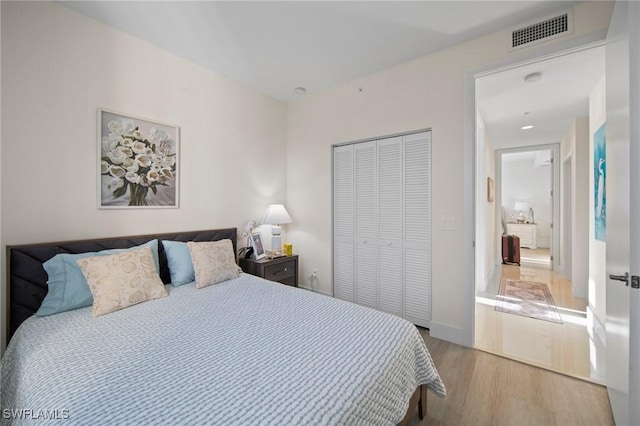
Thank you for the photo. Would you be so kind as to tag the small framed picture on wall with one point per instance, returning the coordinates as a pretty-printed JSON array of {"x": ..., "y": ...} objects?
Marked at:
[{"x": 490, "y": 190}]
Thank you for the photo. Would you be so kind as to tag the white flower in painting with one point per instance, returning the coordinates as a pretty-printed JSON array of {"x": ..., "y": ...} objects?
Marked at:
[
  {"x": 115, "y": 127},
  {"x": 128, "y": 162},
  {"x": 104, "y": 167},
  {"x": 148, "y": 151},
  {"x": 115, "y": 183},
  {"x": 164, "y": 149},
  {"x": 137, "y": 134},
  {"x": 157, "y": 136},
  {"x": 143, "y": 160},
  {"x": 132, "y": 177},
  {"x": 144, "y": 180},
  {"x": 152, "y": 175},
  {"x": 127, "y": 151},
  {"x": 167, "y": 173},
  {"x": 168, "y": 162},
  {"x": 138, "y": 147},
  {"x": 116, "y": 155},
  {"x": 134, "y": 167},
  {"x": 123, "y": 126},
  {"x": 117, "y": 171},
  {"x": 108, "y": 142},
  {"x": 126, "y": 142}
]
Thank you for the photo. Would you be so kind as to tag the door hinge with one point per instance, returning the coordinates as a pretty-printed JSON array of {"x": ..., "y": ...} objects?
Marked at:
[
  {"x": 551, "y": 225},
  {"x": 635, "y": 281}
]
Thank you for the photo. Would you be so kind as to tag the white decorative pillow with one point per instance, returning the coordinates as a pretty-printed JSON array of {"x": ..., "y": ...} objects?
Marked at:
[
  {"x": 213, "y": 261},
  {"x": 122, "y": 280}
]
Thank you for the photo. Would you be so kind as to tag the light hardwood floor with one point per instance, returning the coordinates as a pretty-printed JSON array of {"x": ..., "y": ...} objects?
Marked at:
[
  {"x": 485, "y": 389},
  {"x": 566, "y": 348}
]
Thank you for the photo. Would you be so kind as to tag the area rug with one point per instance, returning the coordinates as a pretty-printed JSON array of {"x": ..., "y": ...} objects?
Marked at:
[{"x": 527, "y": 298}]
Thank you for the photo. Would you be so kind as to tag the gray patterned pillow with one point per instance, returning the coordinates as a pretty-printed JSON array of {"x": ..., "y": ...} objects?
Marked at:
[{"x": 213, "y": 261}]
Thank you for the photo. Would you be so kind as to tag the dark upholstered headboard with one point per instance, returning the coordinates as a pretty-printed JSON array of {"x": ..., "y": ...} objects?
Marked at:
[{"x": 27, "y": 279}]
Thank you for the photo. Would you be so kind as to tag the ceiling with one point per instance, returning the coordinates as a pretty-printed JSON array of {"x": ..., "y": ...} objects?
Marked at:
[
  {"x": 274, "y": 47},
  {"x": 507, "y": 103}
]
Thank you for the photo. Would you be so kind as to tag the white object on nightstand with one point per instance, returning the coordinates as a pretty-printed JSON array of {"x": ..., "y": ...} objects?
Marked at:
[
  {"x": 528, "y": 233},
  {"x": 276, "y": 215}
]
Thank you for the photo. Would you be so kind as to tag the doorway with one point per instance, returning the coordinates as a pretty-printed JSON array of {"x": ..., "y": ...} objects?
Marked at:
[
  {"x": 508, "y": 133},
  {"x": 526, "y": 179}
]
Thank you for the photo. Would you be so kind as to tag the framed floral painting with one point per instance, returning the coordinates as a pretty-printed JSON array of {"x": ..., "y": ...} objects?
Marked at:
[{"x": 138, "y": 162}]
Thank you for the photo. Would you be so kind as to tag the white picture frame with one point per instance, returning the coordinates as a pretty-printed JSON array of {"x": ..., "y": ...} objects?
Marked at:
[
  {"x": 258, "y": 246},
  {"x": 138, "y": 163}
]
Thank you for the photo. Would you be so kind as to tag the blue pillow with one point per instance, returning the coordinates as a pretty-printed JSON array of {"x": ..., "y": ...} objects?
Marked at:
[
  {"x": 68, "y": 288},
  {"x": 179, "y": 261}
]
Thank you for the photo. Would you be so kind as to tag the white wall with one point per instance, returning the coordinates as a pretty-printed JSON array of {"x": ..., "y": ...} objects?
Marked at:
[
  {"x": 576, "y": 144},
  {"x": 425, "y": 93},
  {"x": 522, "y": 180},
  {"x": 486, "y": 255},
  {"x": 597, "y": 249},
  {"x": 58, "y": 67},
  {"x": 492, "y": 222}
]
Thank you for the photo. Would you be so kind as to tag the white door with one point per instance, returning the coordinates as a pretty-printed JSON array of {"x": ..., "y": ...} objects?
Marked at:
[
  {"x": 417, "y": 232},
  {"x": 343, "y": 287},
  {"x": 622, "y": 212},
  {"x": 390, "y": 266},
  {"x": 366, "y": 236}
]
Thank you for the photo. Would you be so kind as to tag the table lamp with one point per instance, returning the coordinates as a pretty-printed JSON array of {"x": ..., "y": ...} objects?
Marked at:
[
  {"x": 521, "y": 206},
  {"x": 276, "y": 215}
]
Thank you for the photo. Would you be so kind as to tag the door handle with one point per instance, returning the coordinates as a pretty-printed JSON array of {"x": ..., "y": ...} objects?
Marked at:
[{"x": 624, "y": 278}]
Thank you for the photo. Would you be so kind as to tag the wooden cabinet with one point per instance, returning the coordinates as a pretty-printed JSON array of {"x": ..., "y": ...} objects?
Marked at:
[
  {"x": 282, "y": 269},
  {"x": 528, "y": 233}
]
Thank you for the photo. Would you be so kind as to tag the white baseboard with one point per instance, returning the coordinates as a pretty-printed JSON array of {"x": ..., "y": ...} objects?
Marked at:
[
  {"x": 326, "y": 293},
  {"x": 446, "y": 332}
]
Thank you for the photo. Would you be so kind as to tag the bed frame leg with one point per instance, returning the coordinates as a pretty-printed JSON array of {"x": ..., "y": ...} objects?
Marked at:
[{"x": 422, "y": 403}]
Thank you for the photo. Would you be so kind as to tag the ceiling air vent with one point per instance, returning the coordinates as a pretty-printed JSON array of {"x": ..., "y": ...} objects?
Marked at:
[{"x": 545, "y": 30}]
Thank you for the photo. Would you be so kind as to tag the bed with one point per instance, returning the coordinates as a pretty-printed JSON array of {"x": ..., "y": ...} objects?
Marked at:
[{"x": 242, "y": 351}]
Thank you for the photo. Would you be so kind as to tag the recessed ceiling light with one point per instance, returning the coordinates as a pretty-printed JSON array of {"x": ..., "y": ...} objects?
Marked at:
[
  {"x": 533, "y": 77},
  {"x": 300, "y": 91},
  {"x": 527, "y": 127}
]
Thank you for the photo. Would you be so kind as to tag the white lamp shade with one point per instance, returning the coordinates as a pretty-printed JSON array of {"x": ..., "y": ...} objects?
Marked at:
[
  {"x": 276, "y": 214},
  {"x": 521, "y": 206}
]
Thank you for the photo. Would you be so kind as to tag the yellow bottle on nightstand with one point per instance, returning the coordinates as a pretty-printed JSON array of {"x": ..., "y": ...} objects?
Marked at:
[{"x": 288, "y": 249}]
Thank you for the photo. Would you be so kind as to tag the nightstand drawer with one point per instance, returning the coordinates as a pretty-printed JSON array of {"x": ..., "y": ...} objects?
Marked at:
[
  {"x": 280, "y": 272},
  {"x": 282, "y": 269}
]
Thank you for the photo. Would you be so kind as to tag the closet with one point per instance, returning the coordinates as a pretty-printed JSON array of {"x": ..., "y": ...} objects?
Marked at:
[{"x": 382, "y": 225}]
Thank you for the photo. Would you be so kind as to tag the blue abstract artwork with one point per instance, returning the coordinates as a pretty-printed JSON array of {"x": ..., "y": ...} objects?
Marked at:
[{"x": 600, "y": 183}]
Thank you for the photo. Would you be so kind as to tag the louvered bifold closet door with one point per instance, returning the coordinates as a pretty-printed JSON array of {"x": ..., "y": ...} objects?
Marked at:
[
  {"x": 366, "y": 266},
  {"x": 343, "y": 230},
  {"x": 390, "y": 264},
  {"x": 417, "y": 228}
]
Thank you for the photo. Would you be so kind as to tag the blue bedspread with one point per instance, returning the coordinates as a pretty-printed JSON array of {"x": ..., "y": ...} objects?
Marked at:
[{"x": 243, "y": 352}]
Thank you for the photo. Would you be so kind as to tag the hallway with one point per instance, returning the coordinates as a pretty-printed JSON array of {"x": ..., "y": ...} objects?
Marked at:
[{"x": 564, "y": 348}]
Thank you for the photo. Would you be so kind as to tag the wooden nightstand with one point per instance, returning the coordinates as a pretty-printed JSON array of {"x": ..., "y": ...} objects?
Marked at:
[{"x": 282, "y": 269}]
